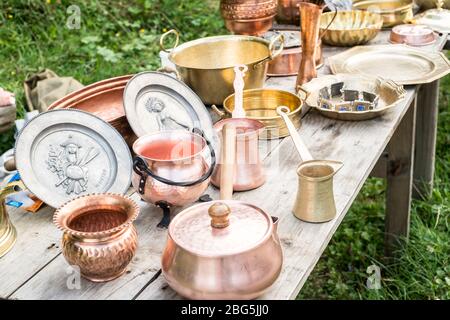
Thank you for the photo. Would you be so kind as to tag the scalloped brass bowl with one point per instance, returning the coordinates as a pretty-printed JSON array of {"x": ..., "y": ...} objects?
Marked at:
[{"x": 350, "y": 28}]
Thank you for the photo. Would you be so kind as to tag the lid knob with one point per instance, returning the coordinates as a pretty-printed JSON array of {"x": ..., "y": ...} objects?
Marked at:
[{"x": 219, "y": 213}]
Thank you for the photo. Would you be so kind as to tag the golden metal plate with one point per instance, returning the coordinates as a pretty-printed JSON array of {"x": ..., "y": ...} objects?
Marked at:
[
  {"x": 400, "y": 63},
  {"x": 389, "y": 93}
]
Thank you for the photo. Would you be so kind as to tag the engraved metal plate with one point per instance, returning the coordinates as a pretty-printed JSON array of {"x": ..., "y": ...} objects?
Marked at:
[
  {"x": 401, "y": 63},
  {"x": 62, "y": 154},
  {"x": 155, "y": 101}
]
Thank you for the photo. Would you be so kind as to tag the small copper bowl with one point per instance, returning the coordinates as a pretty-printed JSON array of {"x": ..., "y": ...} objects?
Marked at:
[
  {"x": 413, "y": 35},
  {"x": 99, "y": 236}
]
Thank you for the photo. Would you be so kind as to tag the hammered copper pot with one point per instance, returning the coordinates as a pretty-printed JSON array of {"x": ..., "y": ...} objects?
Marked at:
[
  {"x": 248, "y": 17},
  {"x": 99, "y": 236}
]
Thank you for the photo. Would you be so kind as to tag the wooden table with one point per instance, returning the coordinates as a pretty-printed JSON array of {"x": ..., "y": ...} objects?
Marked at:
[{"x": 35, "y": 268}]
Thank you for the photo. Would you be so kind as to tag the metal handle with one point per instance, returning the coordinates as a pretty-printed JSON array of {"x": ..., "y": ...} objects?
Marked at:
[
  {"x": 164, "y": 36},
  {"x": 298, "y": 142},
  {"x": 238, "y": 84},
  {"x": 301, "y": 89},
  {"x": 399, "y": 89},
  {"x": 331, "y": 22},
  {"x": 272, "y": 52},
  {"x": 220, "y": 113},
  {"x": 228, "y": 154},
  {"x": 170, "y": 71},
  {"x": 141, "y": 168}
]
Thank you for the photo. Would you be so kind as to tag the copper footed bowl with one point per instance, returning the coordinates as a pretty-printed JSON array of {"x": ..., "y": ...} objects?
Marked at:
[{"x": 99, "y": 236}]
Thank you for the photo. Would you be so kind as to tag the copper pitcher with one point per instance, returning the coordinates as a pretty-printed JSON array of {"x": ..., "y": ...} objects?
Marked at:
[
  {"x": 248, "y": 170},
  {"x": 310, "y": 25}
]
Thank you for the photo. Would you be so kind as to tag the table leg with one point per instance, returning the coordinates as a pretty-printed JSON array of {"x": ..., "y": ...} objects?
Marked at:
[
  {"x": 399, "y": 180},
  {"x": 426, "y": 131}
]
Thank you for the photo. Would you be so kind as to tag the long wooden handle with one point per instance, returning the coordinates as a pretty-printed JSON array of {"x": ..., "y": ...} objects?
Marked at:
[
  {"x": 299, "y": 144},
  {"x": 228, "y": 155}
]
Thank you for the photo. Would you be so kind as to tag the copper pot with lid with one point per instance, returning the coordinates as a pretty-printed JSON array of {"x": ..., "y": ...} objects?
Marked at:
[{"x": 224, "y": 249}]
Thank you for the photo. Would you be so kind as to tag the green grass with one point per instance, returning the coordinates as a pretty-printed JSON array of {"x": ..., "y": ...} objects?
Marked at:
[{"x": 121, "y": 37}]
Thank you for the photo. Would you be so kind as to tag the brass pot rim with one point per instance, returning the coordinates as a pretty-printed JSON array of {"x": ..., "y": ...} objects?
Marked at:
[
  {"x": 293, "y": 112},
  {"x": 362, "y": 5},
  {"x": 243, "y": 38},
  {"x": 60, "y": 217}
]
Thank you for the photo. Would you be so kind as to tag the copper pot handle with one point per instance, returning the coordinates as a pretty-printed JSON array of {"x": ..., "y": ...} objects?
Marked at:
[
  {"x": 170, "y": 70},
  {"x": 216, "y": 110},
  {"x": 141, "y": 168},
  {"x": 164, "y": 36},
  {"x": 331, "y": 22},
  {"x": 228, "y": 154}
]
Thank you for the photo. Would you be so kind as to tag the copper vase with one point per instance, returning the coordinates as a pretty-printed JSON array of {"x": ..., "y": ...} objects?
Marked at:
[
  {"x": 8, "y": 234},
  {"x": 248, "y": 17},
  {"x": 310, "y": 25},
  {"x": 99, "y": 236}
]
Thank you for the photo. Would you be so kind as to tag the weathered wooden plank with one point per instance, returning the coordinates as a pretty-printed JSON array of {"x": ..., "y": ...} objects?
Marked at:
[
  {"x": 37, "y": 244},
  {"x": 358, "y": 145},
  {"x": 399, "y": 181},
  {"x": 426, "y": 131}
]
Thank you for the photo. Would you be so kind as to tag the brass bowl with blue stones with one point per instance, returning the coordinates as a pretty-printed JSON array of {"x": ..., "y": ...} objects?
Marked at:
[{"x": 351, "y": 97}]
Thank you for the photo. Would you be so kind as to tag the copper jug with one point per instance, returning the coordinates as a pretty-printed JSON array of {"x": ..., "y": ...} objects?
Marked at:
[
  {"x": 248, "y": 170},
  {"x": 310, "y": 25}
]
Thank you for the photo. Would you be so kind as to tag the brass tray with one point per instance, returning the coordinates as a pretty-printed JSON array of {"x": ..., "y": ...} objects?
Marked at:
[
  {"x": 400, "y": 63},
  {"x": 388, "y": 92}
]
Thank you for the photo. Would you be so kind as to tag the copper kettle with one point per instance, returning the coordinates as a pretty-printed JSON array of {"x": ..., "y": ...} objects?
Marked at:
[{"x": 224, "y": 249}]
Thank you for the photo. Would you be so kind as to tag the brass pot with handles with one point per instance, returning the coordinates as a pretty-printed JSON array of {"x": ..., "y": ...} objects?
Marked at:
[{"x": 207, "y": 64}]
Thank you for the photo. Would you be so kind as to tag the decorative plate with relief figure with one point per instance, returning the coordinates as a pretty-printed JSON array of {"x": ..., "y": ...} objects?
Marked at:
[
  {"x": 155, "y": 101},
  {"x": 62, "y": 154}
]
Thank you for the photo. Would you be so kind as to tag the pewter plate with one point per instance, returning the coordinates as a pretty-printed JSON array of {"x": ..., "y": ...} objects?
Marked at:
[
  {"x": 436, "y": 19},
  {"x": 62, "y": 154},
  {"x": 155, "y": 101},
  {"x": 401, "y": 63}
]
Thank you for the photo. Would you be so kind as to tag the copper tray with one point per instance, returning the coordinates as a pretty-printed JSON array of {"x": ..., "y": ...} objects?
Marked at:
[
  {"x": 413, "y": 35},
  {"x": 401, "y": 63},
  {"x": 103, "y": 99},
  {"x": 389, "y": 95}
]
